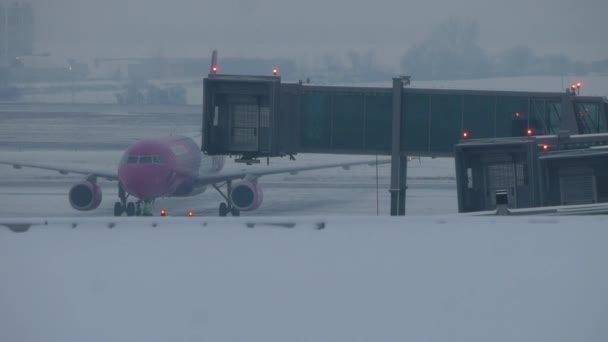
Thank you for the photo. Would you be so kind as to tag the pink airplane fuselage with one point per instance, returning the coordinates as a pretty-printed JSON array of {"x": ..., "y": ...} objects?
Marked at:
[{"x": 164, "y": 167}]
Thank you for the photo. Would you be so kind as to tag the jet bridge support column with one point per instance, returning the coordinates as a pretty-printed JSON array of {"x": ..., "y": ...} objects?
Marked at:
[{"x": 398, "y": 160}]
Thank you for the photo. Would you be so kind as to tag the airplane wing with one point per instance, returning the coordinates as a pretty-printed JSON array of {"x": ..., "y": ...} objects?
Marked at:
[
  {"x": 201, "y": 180},
  {"x": 62, "y": 170},
  {"x": 255, "y": 174}
]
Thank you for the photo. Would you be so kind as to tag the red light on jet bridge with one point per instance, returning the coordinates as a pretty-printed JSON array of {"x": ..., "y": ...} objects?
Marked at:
[
  {"x": 529, "y": 131},
  {"x": 465, "y": 135},
  {"x": 190, "y": 214},
  {"x": 163, "y": 213},
  {"x": 545, "y": 147}
]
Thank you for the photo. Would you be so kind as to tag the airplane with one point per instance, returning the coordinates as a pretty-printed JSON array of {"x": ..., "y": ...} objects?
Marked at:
[{"x": 172, "y": 167}]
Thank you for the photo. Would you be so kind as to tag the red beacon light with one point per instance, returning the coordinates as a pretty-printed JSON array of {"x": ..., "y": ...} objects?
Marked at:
[
  {"x": 517, "y": 115},
  {"x": 275, "y": 71},
  {"x": 214, "y": 69},
  {"x": 529, "y": 131},
  {"x": 465, "y": 135},
  {"x": 163, "y": 213},
  {"x": 190, "y": 214},
  {"x": 545, "y": 147}
]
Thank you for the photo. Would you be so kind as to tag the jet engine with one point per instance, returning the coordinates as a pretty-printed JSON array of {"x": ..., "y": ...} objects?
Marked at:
[
  {"x": 247, "y": 195},
  {"x": 85, "y": 195}
]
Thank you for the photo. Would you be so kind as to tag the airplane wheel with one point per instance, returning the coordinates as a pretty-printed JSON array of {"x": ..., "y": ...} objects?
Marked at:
[
  {"x": 223, "y": 209},
  {"x": 118, "y": 209},
  {"x": 235, "y": 212},
  {"x": 130, "y": 209}
]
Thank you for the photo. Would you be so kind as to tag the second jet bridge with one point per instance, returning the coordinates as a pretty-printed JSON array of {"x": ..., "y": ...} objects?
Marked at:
[{"x": 255, "y": 117}]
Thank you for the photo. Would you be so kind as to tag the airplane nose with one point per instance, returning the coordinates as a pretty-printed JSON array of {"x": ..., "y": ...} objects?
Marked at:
[{"x": 145, "y": 182}]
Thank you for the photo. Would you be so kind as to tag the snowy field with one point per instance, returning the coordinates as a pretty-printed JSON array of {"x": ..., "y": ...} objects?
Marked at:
[
  {"x": 312, "y": 264},
  {"x": 434, "y": 278}
]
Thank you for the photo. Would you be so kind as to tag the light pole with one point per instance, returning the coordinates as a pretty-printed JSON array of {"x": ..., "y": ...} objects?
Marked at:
[{"x": 71, "y": 82}]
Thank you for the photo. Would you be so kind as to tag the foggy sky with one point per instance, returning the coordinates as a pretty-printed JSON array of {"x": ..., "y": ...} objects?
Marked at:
[{"x": 578, "y": 29}]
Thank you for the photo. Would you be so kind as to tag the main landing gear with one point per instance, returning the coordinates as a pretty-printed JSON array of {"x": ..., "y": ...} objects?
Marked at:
[
  {"x": 227, "y": 207},
  {"x": 138, "y": 208}
]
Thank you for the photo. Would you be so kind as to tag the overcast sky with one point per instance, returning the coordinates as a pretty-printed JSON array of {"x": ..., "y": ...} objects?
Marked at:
[{"x": 291, "y": 28}]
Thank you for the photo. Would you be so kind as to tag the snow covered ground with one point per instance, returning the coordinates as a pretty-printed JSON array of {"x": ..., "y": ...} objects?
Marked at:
[{"x": 434, "y": 278}]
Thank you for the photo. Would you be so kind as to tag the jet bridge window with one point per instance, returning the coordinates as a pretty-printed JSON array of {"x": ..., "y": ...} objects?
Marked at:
[
  {"x": 589, "y": 118},
  {"x": 553, "y": 119}
]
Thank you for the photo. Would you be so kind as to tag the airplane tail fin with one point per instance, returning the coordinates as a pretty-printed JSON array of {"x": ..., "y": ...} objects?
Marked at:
[{"x": 213, "y": 66}]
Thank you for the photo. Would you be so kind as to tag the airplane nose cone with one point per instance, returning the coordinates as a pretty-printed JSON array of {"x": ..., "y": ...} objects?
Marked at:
[{"x": 146, "y": 182}]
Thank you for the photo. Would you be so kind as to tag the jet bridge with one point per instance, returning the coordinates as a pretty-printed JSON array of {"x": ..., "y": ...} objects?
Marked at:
[
  {"x": 257, "y": 117},
  {"x": 540, "y": 171}
]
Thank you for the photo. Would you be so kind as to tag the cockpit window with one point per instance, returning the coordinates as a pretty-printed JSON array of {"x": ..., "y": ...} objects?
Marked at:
[{"x": 143, "y": 160}]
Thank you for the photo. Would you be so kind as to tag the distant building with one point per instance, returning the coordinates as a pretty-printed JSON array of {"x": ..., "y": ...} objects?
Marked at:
[
  {"x": 16, "y": 31},
  {"x": 2, "y": 33}
]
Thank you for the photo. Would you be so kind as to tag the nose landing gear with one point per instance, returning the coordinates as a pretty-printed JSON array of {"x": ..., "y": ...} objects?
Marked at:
[
  {"x": 118, "y": 209},
  {"x": 121, "y": 207},
  {"x": 131, "y": 208}
]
